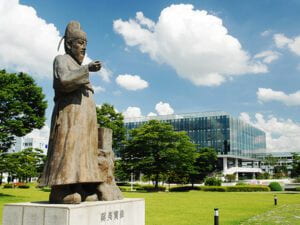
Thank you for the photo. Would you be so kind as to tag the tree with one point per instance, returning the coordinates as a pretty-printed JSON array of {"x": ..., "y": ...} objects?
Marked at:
[
  {"x": 25, "y": 164},
  {"x": 109, "y": 118},
  {"x": 206, "y": 163},
  {"x": 270, "y": 161},
  {"x": 156, "y": 150},
  {"x": 295, "y": 165},
  {"x": 29, "y": 162},
  {"x": 183, "y": 160},
  {"x": 22, "y": 107}
]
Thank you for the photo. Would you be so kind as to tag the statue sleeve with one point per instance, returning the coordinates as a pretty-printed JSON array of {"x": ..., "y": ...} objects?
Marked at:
[{"x": 66, "y": 79}]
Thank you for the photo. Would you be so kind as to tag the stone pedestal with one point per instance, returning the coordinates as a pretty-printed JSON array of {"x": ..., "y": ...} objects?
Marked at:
[{"x": 120, "y": 212}]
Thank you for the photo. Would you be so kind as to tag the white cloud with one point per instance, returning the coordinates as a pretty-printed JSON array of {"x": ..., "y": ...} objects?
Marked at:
[
  {"x": 105, "y": 73},
  {"x": 163, "y": 108},
  {"x": 193, "y": 42},
  {"x": 267, "y": 56},
  {"x": 132, "y": 112},
  {"x": 98, "y": 89},
  {"x": 266, "y": 33},
  {"x": 152, "y": 114},
  {"x": 28, "y": 43},
  {"x": 131, "y": 82},
  {"x": 267, "y": 94},
  {"x": 281, "y": 135},
  {"x": 293, "y": 44},
  {"x": 145, "y": 21}
]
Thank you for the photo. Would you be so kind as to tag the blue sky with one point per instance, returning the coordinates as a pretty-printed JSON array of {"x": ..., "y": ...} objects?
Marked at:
[{"x": 163, "y": 57}]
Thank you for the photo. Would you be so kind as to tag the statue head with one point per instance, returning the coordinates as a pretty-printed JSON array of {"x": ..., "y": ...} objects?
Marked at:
[{"x": 75, "y": 41}]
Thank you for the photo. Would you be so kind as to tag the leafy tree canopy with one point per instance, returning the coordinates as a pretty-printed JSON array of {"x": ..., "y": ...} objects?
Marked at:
[
  {"x": 24, "y": 164},
  {"x": 295, "y": 165},
  {"x": 22, "y": 107},
  {"x": 206, "y": 162},
  {"x": 156, "y": 150},
  {"x": 109, "y": 118}
]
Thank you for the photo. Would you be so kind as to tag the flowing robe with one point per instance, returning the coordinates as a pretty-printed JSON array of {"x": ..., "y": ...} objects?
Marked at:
[{"x": 73, "y": 143}]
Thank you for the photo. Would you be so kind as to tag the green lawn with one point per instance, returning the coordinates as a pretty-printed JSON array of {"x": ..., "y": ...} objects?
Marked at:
[{"x": 196, "y": 207}]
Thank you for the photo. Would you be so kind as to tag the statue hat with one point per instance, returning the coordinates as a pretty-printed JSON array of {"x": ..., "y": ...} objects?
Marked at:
[{"x": 73, "y": 31}]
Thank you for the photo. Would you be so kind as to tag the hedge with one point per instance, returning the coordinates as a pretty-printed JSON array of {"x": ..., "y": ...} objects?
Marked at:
[
  {"x": 275, "y": 186},
  {"x": 212, "y": 181},
  {"x": 184, "y": 188},
  {"x": 8, "y": 186},
  {"x": 150, "y": 188},
  {"x": 214, "y": 188},
  {"x": 247, "y": 188}
]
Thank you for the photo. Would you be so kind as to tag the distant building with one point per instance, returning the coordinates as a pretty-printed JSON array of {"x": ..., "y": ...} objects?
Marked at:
[
  {"x": 30, "y": 142},
  {"x": 282, "y": 159},
  {"x": 236, "y": 142}
]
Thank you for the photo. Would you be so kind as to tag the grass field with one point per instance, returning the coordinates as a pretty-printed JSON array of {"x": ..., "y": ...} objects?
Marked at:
[{"x": 197, "y": 207}]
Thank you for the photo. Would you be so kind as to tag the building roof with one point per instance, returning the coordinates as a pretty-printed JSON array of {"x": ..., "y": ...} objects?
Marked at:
[{"x": 177, "y": 116}]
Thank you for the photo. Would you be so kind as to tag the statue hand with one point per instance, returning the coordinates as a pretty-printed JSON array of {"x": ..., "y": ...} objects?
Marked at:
[{"x": 94, "y": 66}]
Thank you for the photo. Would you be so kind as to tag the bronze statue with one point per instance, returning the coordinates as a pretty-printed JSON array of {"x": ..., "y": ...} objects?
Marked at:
[{"x": 72, "y": 168}]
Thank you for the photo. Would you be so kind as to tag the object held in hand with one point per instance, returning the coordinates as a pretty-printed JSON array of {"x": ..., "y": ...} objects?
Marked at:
[{"x": 94, "y": 66}]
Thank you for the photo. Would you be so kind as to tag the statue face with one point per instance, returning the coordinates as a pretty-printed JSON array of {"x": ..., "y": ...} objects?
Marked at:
[{"x": 78, "y": 47}]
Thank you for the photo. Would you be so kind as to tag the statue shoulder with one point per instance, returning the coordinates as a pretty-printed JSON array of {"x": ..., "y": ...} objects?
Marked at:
[{"x": 61, "y": 59}]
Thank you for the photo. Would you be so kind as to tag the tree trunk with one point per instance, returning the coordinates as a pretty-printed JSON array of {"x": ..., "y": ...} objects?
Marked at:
[{"x": 156, "y": 181}]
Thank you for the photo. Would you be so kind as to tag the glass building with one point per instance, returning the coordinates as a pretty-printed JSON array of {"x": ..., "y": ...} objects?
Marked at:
[{"x": 228, "y": 135}]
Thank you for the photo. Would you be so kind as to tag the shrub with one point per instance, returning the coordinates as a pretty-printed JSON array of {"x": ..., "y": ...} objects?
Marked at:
[
  {"x": 278, "y": 175},
  {"x": 17, "y": 184},
  {"x": 214, "y": 188},
  {"x": 297, "y": 189},
  {"x": 230, "y": 177},
  {"x": 265, "y": 175},
  {"x": 296, "y": 180},
  {"x": 275, "y": 186},
  {"x": 240, "y": 184},
  {"x": 150, "y": 188},
  {"x": 8, "y": 186},
  {"x": 212, "y": 181},
  {"x": 181, "y": 189},
  {"x": 123, "y": 183},
  {"x": 247, "y": 188},
  {"x": 24, "y": 186}
]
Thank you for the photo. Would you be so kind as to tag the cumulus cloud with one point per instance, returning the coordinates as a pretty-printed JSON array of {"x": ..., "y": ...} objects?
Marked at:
[
  {"x": 293, "y": 44},
  {"x": 131, "y": 82},
  {"x": 196, "y": 44},
  {"x": 163, "y": 109},
  {"x": 266, "y": 33},
  {"x": 267, "y": 56},
  {"x": 281, "y": 135},
  {"x": 28, "y": 43},
  {"x": 98, "y": 89},
  {"x": 267, "y": 95},
  {"x": 105, "y": 73},
  {"x": 132, "y": 112},
  {"x": 152, "y": 114}
]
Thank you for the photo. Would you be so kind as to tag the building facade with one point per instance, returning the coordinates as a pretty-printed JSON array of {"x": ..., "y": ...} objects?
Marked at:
[
  {"x": 30, "y": 142},
  {"x": 235, "y": 141}
]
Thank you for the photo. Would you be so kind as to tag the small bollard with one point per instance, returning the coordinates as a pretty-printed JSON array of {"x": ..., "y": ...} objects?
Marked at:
[
  {"x": 275, "y": 200},
  {"x": 216, "y": 216}
]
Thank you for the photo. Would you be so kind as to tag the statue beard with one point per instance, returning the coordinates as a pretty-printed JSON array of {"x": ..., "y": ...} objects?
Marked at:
[{"x": 79, "y": 57}]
